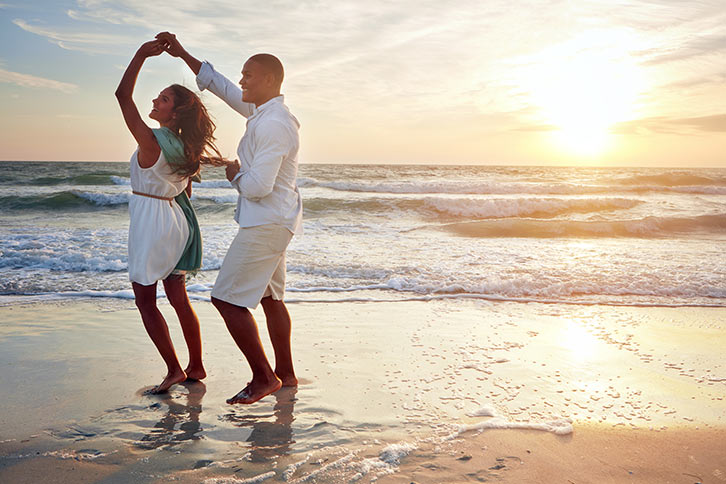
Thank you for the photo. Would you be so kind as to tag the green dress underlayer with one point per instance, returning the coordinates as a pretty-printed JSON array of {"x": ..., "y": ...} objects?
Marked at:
[{"x": 173, "y": 149}]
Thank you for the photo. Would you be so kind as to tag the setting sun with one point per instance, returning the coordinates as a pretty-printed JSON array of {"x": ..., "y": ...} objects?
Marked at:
[{"x": 584, "y": 87}]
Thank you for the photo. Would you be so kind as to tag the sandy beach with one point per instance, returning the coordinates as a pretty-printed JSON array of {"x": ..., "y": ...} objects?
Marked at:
[{"x": 453, "y": 390}]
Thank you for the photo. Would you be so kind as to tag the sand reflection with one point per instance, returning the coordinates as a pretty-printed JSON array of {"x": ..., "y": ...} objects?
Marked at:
[
  {"x": 180, "y": 423},
  {"x": 582, "y": 344},
  {"x": 271, "y": 435}
]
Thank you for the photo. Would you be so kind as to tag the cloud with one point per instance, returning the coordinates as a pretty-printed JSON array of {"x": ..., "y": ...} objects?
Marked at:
[
  {"x": 384, "y": 53},
  {"x": 535, "y": 128},
  {"x": 27, "y": 80},
  {"x": 414, "y": 58},
  {"x": 715, "y": 123},
  {"x": 705, "y": 45},
  {"x": 96, "y": 43}
]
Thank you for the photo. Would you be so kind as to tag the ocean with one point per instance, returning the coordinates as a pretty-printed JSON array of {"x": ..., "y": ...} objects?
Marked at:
[
  {"x": 469, "y": 299},
  {"x": 613, "y": 236}
]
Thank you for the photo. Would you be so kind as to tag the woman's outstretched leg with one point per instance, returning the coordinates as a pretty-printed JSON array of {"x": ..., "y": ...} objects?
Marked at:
[
  {"x": 159, "y": 333},
  {"x": 176, "y": 292}
]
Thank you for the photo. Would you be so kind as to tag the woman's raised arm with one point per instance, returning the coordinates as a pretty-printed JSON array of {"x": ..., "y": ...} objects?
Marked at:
[{"x": 148, "y": 146}]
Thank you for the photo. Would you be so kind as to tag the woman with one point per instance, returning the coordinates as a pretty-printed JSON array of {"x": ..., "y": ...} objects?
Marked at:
[{"x": 164, "y": 238}]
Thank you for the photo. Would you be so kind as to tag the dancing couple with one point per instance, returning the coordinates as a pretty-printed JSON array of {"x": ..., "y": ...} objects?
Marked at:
[{"x": 164, "y": 237}]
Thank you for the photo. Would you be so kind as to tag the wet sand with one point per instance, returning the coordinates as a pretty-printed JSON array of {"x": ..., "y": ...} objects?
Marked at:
[
  {"x": 591, "y": 454},
  {"x": 437, "y": 391}
]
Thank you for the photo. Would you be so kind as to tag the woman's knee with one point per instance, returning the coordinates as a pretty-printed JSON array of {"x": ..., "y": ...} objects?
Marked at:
[
  {"x": 178, "y": 299},
  {"x": 145, "y": 300},
  {"x": 176, "y": 291}
]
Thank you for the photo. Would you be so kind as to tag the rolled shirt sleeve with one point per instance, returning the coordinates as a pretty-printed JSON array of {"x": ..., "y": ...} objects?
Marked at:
[
  {"x": 273, "y": 143},
  {"x": 209, "y": 79}
]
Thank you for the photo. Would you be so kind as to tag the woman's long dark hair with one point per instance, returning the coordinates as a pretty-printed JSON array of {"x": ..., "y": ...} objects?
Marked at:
[{"x": 195, "y": 128}]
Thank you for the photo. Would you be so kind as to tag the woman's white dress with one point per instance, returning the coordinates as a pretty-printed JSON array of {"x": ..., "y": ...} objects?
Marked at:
[{"x": 158, "y": 230}]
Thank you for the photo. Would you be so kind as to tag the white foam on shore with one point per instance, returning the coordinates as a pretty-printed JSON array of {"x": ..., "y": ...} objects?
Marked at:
[
  {"x": 484, "y": 297},
  {"x": 234, "y": 480},
  {"x": 198, "y": 287},
  {"x": 292, "y": 468},
  {"x": 196, "y": 296},
  {"x": 200, "y": 292},
  {"x": 393, "y": 454},
  {"x": 333, "y": 465},
  {"x": 485, "y": 411},
  {"x": 79, "y": 455},
  {"x": 541, "y": 287},
  {"x": 122, "y": 294},
  {"x": 387, "y": 462},
  {"x": 561, "y": 426}
]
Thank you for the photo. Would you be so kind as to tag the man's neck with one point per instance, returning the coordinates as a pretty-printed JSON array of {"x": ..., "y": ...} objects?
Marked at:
[{"x": 260, "y": 103}]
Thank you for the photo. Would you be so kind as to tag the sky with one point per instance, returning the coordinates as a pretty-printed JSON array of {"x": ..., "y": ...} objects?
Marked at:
[{"x": 510, "y": 82}]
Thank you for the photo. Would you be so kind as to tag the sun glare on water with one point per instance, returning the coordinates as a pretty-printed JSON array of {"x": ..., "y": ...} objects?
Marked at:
[{"x": 585, "y": 87}]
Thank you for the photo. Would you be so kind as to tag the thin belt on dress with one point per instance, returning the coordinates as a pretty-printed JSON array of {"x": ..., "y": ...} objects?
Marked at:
[{"x": 168, "y": 199}]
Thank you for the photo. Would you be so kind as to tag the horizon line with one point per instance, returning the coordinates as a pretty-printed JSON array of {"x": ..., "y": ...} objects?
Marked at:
[{"x": 552, "y": 165}]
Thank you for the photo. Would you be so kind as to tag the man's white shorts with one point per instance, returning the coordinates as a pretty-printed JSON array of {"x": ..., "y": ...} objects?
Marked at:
[{"x": 254, "y": 266}]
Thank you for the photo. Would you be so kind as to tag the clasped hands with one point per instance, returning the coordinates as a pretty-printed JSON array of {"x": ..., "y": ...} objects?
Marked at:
[{"x": 164, "y": 42}]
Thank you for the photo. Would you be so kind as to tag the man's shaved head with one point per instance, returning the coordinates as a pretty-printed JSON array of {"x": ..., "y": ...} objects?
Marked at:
[{"x": 271, "y": 64}]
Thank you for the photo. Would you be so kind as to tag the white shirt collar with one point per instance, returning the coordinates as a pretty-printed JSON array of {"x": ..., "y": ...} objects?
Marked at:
[{"x": 274, "y": 100}]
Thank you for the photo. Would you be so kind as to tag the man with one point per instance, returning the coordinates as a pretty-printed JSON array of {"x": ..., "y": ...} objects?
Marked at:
[{"x": 269, "y": 212}]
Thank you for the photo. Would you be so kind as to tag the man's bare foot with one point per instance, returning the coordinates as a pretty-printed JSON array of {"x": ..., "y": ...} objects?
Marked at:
[
  {"x": 170, "y": 379},
  {"x": 287, "y": 380},
  {"x": 255, "y": 391},
  {"x": 195, "y": 374}
]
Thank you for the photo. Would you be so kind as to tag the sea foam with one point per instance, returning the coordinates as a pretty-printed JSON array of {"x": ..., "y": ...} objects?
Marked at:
[
  {"x": 561, "y": 426},
  {"x": 387, "y": 462},
  {"x": 233, "y": 480}
]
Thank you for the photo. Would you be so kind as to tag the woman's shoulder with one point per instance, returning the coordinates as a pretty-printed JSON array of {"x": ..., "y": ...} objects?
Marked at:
[{"x": 147, "y": 160}]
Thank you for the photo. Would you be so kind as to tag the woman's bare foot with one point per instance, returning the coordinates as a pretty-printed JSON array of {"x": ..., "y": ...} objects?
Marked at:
[
  {"x": 287, "y": 380},
  {"x": 171, "y": 379},
  {"x": 255, "y": 391},
  {"x": 195, "y": 374}
]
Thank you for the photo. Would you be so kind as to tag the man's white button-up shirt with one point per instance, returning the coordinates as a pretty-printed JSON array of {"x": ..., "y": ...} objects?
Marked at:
[{"x": 268, "y": 155}]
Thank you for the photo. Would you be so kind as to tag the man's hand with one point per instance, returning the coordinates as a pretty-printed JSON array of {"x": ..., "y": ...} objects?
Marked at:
[
  {"x": 171, "y": 45},
  {"x": 232, "y": 169},
  {"x": 175, "y": 49}
]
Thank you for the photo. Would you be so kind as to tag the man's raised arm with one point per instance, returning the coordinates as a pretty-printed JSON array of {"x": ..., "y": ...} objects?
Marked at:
[
  {"x": 207, "y": 77},
  {"x": 175, "y": 49}
]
